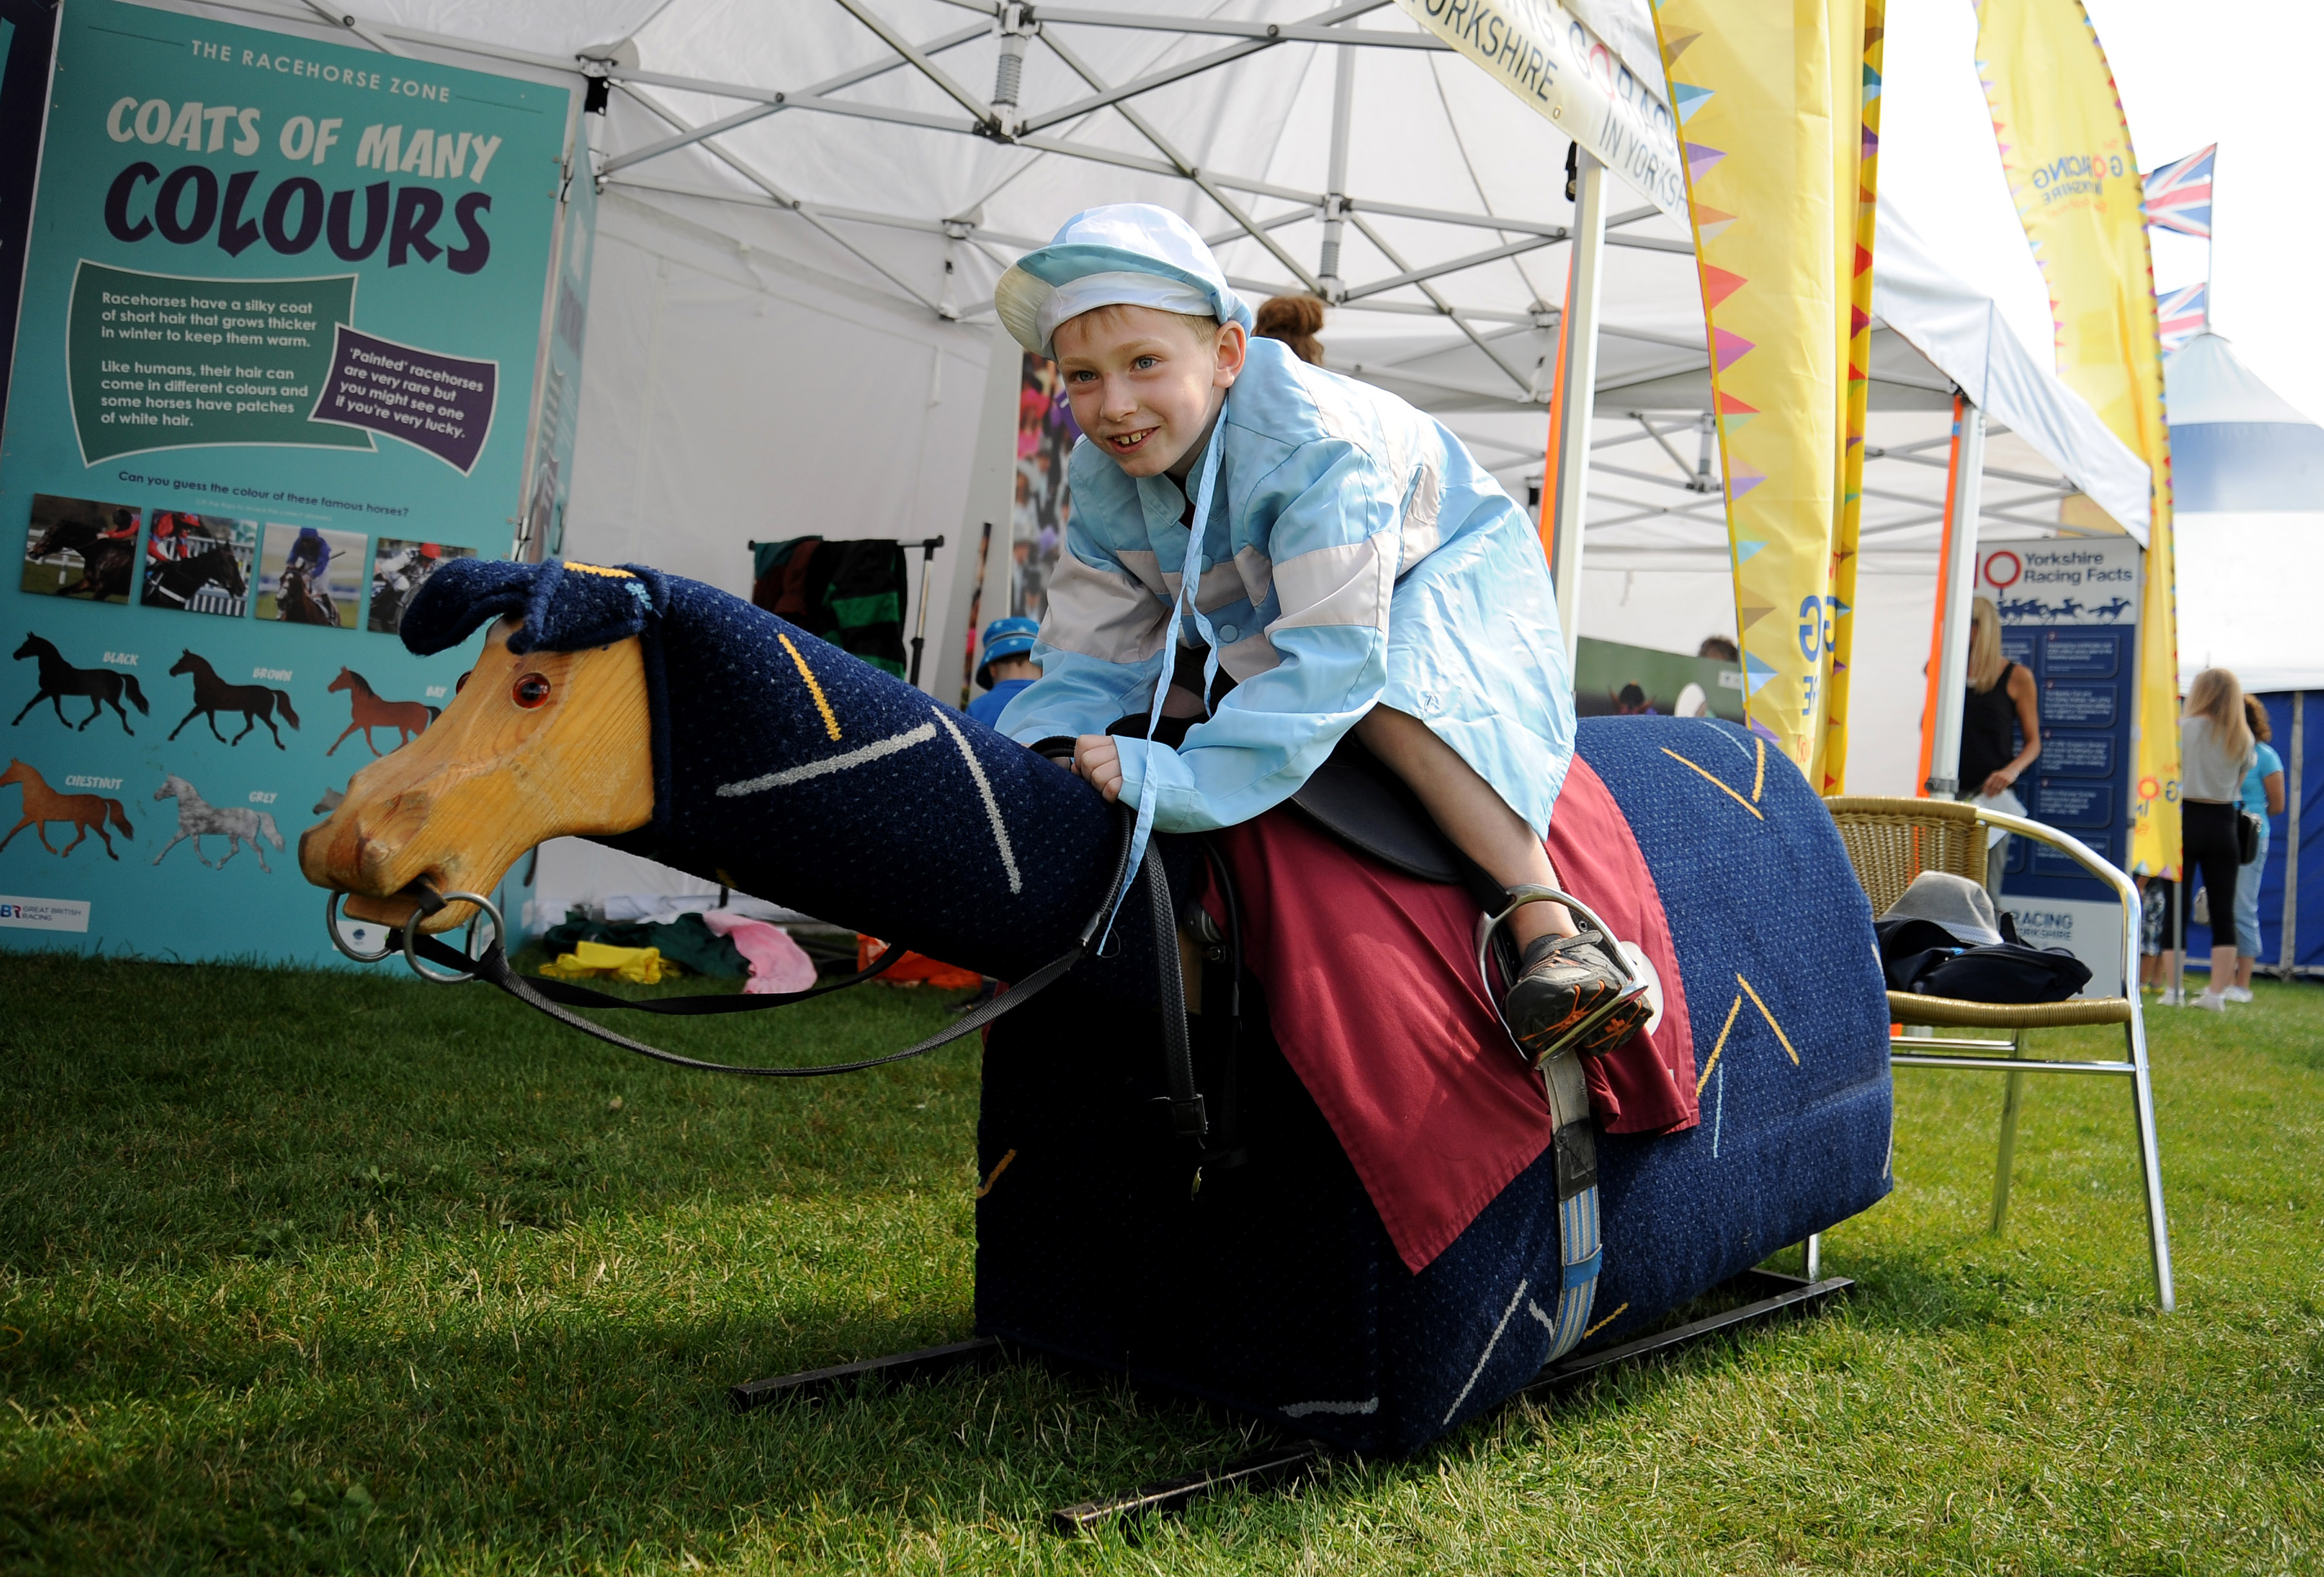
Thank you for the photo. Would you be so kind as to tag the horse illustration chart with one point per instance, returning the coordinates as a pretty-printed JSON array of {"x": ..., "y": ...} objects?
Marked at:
[
  {"x": 42, "y": 805},
  {"x": 212, "y": 694},
  {"x": 177, "y": 580},
  {"x": 105, "y": 561},
  {"x": 674, "y": 722},
  {"x": 104, "y": 686},
  {"x": 372, "y": 710},
  {"x": 198, "y": 819}
]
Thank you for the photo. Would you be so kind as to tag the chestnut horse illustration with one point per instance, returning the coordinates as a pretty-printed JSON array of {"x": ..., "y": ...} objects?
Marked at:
[
  {"x": 372, "y": 710},
  {"x": 212, "y": 694},
  {"x": 671, "y": 721},
  {"x": 104, "y": 686},
  {"x": 87, "y": 812}
]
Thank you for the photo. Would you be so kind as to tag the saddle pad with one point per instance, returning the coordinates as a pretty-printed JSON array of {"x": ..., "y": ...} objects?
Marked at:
[{"x": 1371, "y": 979}]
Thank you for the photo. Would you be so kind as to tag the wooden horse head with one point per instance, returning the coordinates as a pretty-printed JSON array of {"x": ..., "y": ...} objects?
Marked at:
[
  {"x": 536, "y": 746},
  {"x": 673, "y": 721}
]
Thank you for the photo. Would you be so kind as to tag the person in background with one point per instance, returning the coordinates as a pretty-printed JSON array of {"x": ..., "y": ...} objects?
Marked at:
[
  {"x": 2001, "y": 696},
  {"x": 2216, "y": 749},
  {"x": 1294, "y": 321},
  {"x": 1006, "y": 666},
  {"x": 2263, "y": 797},
  {"x": 1692, "y": 702}
]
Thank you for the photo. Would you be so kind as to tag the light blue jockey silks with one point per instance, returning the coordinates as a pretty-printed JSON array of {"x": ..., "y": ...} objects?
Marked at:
[{"x": 1354, "y": 554}]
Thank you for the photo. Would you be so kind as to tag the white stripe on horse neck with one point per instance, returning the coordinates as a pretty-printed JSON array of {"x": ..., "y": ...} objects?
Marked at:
[{"x": 862, "y": 756}]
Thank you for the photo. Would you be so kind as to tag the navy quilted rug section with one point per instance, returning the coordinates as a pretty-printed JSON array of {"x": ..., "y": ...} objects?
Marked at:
[
  {"x": 1275, "y": 1290},
  {"x": 1773, "y": 937}
]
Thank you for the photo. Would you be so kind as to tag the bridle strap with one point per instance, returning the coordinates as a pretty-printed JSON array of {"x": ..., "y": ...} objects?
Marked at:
[{"x": 551, "y": 997}]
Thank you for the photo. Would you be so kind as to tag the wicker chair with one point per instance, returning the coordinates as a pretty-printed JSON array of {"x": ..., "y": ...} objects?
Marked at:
[{"x": 1890, "y": 841}]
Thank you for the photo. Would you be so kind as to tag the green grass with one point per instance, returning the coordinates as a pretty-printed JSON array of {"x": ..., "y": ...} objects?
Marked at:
[{"x": 310, "y": 1272}]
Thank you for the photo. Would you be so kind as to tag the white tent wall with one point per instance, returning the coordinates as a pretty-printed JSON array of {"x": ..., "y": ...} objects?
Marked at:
[{"x": 733, "y": 395}]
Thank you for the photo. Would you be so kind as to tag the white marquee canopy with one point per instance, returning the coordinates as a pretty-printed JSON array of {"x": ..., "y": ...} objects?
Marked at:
[{"x": 805, "y": 205}]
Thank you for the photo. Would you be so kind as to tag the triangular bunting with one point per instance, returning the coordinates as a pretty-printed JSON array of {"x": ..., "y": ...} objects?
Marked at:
[
  {"x": 1686, "y": 98},
  {"x": 1752, "y": 613},
  {"x": 1676, "y": 45},
  {"x": 1700, "y": 160},
  {"x": 1731, "y": 406},
  {"x": 1710, "y": 224},
  {"x": 1719, "y": 283},
  {"x": 1730, "y": 347},
  {"x": 1742, "y": 479},
  {"x": 1755, "y": 675}
]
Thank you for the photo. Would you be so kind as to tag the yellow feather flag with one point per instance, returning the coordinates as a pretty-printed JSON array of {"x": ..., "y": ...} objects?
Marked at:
[
  {"x": 1764, "y": 115},
  {"x": 1856, "y": 55},
  {"x": 2066, "y": 149}
]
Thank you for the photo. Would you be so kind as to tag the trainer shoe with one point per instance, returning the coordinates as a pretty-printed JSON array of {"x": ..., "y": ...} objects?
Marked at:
[
  {"x": 1560, "y": 982},
  {"x": 2171, "y": 997},
  {"x": 2238, "y": 993},
  {"x": 2211, "y": 1002}
]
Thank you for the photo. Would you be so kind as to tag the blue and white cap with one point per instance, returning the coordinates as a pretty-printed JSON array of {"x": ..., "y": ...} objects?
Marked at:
[{"x": 1130, "y": 254}]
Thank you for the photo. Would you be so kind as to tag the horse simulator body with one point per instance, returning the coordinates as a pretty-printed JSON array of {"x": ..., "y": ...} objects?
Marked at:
[{"x": 1283, "y": 1278}]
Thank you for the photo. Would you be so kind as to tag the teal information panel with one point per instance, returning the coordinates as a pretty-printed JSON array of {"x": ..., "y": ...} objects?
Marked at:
[{"x": 282, "y": 323}]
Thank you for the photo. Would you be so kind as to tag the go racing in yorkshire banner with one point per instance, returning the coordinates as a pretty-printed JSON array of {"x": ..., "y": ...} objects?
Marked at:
[
  {"x": 2065, "y": 146},
  {"x": 283, "y": 324}
]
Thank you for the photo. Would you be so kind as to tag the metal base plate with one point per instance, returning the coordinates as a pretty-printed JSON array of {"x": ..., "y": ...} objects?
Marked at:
[{"x": 1772, "y": 1295}]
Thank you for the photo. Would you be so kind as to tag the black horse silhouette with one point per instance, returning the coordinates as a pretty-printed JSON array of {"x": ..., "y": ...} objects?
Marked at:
[
  {"x": 213, "y": 695},
  {"x": 58, "y": 678},
  {"x": 175, "y": 581},
  {"x": 298, "y": 602},
  {"x": 104, "y": 561}
]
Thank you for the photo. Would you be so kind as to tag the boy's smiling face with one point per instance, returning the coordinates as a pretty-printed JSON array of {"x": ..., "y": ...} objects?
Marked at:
[{"x": 1145, "y": 382}]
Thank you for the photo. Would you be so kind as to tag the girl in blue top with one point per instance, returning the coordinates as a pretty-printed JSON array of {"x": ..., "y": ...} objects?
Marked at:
[
  {"x": 1356, "y": 569},
  {"x": 2263, "y": 797}
]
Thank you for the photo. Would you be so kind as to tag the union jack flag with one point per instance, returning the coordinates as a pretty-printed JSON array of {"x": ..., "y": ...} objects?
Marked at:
[
  {"x": 2179, "y": 195},
  {"x": 2182, "y": 315}
]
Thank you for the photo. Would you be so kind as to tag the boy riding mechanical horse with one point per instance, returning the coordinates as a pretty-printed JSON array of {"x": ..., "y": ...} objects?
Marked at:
[{"x": 1355, "y": 569}]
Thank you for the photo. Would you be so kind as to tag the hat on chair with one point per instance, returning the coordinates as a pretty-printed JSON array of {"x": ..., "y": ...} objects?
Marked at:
[
  {"x": 1130, "y": 254},
  {"x": 1004, "y": 638}
]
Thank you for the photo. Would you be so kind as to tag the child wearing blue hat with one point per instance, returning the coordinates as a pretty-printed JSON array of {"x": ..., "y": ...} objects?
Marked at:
[
  {"x": 1006, "y": 666},
  {"x": 1355, "y": 569}
]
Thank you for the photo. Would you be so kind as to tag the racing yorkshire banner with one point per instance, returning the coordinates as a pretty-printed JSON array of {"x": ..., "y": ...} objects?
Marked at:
[
  {"x": 2066, "y": 150},
  {"x": 1551, "y": 60},
  {"x": 1855, "y": 168},
  {"x": 279, "y": 358},
  {"x": 1769, "y": 117}
]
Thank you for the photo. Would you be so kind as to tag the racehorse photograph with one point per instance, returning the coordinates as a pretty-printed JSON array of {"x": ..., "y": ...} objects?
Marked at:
[
  {"x": 87, "y": 812},
  {"x": 398, "y": 569},
  {"x": 80, "y": 548},
  {"x": 410, "y": 719},
  {"x": 198, "y": 819},
  {"x": 199, "y": 564},
  {"x": 310, "y": 576},
  {"x": 212, "y": 694},
  {"x": 100, "y": 687}
]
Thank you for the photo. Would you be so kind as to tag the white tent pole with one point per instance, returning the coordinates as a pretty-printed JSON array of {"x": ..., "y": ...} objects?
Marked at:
[
  {"x": 1959, "y": 591},
  {"x": 1335, "y": 198},
  {"x": 1577, "y": 381},
  {"x": 991, "y": 498}
]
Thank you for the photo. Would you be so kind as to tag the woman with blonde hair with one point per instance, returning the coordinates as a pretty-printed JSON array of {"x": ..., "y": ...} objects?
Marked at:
[
  {"x": 2262, "y": 798},
  {"x": 2215, "y": 750},
  {"x": 2001, "y": 698}
]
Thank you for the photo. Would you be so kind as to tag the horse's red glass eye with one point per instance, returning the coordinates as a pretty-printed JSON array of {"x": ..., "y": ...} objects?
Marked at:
[
  {"x": 459, "y": 684},
  {"x": 531, "y": 691}
]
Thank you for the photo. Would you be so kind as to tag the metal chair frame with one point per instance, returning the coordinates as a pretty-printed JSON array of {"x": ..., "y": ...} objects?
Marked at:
[{"x": 1944, "y": 822}]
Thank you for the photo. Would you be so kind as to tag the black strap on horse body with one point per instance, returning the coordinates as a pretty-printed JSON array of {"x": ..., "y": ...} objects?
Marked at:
[{"x": 1187, "y": 1109}]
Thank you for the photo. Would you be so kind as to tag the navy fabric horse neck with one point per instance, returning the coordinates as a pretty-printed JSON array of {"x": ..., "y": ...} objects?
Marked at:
[{"x": 788, "y": 770}]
